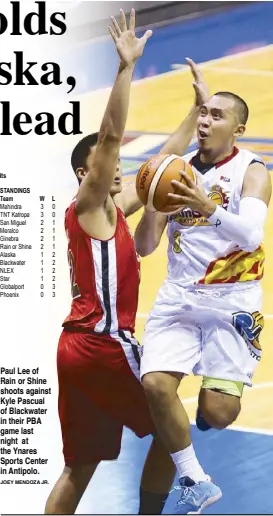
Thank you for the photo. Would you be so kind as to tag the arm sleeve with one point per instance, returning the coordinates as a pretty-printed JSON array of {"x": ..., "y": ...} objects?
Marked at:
[{"x": 245, "y": 229}]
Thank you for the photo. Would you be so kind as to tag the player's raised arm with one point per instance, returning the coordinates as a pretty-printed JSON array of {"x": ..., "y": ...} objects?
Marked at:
[
  {"x": 176, "y": 144},
  {"x": 181, "y": 138},
  {"x": 178, "y": 141},
  {"x": 96, "y": 185}
]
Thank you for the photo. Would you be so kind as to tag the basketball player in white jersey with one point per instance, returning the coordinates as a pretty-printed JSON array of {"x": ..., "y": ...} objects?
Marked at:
[
  {"x": 97, "y": 420},
  {"x": 206, "y": 318}
]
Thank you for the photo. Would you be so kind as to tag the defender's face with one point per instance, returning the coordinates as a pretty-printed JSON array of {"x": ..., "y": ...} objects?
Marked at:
[
  {"x": 117, "y": 183},
  {"x": 217, "y": 125}
]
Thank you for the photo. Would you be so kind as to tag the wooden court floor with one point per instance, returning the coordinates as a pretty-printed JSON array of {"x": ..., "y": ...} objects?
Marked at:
[{"x": 158, "y": 105}]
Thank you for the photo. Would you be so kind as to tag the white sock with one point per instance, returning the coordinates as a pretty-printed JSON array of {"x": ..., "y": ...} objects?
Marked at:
[{"x": 188, "y": 466}]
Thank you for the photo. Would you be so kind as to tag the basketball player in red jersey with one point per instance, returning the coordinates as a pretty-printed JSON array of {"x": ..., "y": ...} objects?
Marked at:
[{"x": 98, "y": 360}]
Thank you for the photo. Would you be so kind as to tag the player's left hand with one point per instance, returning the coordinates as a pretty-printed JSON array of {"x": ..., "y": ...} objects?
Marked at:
[
  {"x": 192, "y": 195},
  {"x": 129, "y": 47},
  {"x": 200, "y": 86}
]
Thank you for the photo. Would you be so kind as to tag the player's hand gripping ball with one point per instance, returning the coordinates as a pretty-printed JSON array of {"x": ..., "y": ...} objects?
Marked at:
[{"x": 153, "y": 182}]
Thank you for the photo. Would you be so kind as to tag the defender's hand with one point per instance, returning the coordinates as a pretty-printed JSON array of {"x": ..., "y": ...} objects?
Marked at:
[
  {"x": 129, "y": 47},
  {"x": 200, "y": 86},
  {"x": 192, "y": 195}
]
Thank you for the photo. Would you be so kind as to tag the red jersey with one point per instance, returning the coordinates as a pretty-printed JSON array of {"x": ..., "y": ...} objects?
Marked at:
[{"x": 105, "y": 277}]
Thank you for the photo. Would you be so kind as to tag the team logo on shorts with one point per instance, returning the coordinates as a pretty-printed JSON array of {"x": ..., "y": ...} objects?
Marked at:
[{"x": 249, "y": 326}]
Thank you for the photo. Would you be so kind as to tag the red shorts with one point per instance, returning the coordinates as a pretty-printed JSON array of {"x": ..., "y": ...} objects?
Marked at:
[{"x": 99, "y": 393}]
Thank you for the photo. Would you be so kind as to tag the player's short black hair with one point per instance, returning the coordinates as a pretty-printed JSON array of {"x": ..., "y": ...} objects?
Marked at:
[
  {"x": 82, "y": 151},
  {"x": 241, "y": 105}
]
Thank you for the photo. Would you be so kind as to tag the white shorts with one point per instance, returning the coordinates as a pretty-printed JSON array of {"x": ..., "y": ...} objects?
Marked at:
[{"x": 208, "y": 331}]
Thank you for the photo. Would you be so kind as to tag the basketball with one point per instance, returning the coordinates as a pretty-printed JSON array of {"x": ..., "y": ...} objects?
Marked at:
[{"x": 153, "y": 182}]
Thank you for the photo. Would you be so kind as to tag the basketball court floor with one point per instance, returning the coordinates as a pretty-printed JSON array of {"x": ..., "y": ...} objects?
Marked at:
[{"x": 240, "y": 459}]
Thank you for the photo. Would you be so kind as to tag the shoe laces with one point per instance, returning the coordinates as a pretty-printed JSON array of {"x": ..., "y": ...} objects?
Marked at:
[{"x": 187, "y": 493}]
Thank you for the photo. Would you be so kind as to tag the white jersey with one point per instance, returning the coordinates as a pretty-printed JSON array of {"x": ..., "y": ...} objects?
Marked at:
[{"x": 197, "y": 253}]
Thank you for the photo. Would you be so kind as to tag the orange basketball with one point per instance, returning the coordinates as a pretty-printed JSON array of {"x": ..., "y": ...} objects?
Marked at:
[{"x": 153, "y": 182}]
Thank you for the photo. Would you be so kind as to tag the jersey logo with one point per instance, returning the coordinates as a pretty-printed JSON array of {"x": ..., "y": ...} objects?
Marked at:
[
  {"x": 219, "y": 196},
  {"x": 189, "y": 217},
  {"x": 224, "y": 178},
  {"x": 249, "y": 326}
]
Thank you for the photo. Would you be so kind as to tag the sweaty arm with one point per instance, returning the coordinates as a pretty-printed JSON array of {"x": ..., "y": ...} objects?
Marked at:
[
  {"x": 149, "y": 231},
  {"x": 247, "y": 228},
  {"x": 179, "y": 140},
  {"x": 128, "y": 200},
  {"x": 97, "y": 183}
]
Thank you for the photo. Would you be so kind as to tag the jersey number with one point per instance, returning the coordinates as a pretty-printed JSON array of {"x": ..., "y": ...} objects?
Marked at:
[
  {"x": 176, "y": 242},
  {"x": 74, "y": 287}
]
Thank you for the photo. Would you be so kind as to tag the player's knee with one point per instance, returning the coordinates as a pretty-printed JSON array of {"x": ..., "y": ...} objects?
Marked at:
[
  {"x": 158, "y": 389},
  {"x": 219, "y": 409},
  {"x": 79, "y": 473}
]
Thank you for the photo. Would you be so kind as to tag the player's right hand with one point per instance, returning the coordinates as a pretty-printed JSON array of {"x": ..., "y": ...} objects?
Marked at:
[
  {"x": 200, "y": 86},
  {"x": 129, "y": 47}
]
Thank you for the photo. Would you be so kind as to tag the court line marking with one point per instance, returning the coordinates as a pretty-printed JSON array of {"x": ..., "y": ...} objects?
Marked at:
[
  {"x": 241, "y": 71},
  {"x": 144, "y": 316},
  {"x": 185, "y": 68},
  {"x": 251, "y": 430},
  {"x": 231, "y": 57},
  {"x": 245, "y": 429}
]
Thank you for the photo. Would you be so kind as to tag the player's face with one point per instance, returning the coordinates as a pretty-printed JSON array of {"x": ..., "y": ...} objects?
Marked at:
[
  {"x": 217, "y": 125},
  {"x": 117, "y": 184}
]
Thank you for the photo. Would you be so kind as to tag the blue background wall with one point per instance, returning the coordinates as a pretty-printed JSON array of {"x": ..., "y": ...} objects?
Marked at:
[{"x": 201, "y": 38}]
